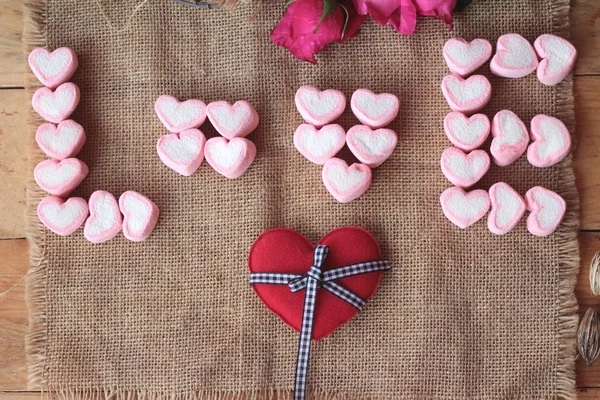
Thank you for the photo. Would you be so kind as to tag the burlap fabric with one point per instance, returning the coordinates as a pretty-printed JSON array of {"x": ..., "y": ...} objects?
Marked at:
[{"x": 463, "y": 314}]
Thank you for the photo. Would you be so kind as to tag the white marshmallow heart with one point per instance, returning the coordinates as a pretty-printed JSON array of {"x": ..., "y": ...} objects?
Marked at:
[
  {"x": 371, "y": 147},
  {"x": 58, "y": 105},
  {"x": 466, "y": 133},
  {"x": 466, "y": 95},
  {"x": 547, "y": 211},
  {"x": 62, "y": 141},
  {"x": 464, "y": 170},
  {"x": 514, "y": 58},
  {"x": 507, "y": 208},
  {"x": 53, "y": 68},
  {"x": 510, "y": 138},
  {"x": 558, "y": 58},
  {"x": 105, "y": 220},
  {"x": 62, "y": 217},
  {"x": 320, "y": 107},
  {"x": 319, "y": 145},
  {"x": 237, "y": 120},
  {"x": 374, "y": 110},
  {"x": 182, "y": 152},
  {"x": 346, "y": 183},
  {"x": 229, "y": 158},
  {"x": 60, "y": 178},
  {"x": 464, "y": 209},
  {"x": 551, "y": 141},
  {"x": 179, "y": 116},
  {"x": 140, "y": 215},
  {"x": 465, "y": 57}
]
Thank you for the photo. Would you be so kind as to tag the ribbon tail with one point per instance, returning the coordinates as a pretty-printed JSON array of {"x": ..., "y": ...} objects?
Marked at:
[{"x": 306, "y": 331}]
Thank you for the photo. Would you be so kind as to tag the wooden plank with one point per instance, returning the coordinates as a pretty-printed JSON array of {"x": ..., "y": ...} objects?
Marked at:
[
  {"x": 14, "y": 320},
  {"x": 13, "y": 162},
  {"x": 585, "y": 34},
  {"x": 12, "y": 58},
  {"x": 586, "y": 159}
]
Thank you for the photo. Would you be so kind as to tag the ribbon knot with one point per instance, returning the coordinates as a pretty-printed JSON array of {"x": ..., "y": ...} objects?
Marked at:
[{"x": 314, "y": 279}]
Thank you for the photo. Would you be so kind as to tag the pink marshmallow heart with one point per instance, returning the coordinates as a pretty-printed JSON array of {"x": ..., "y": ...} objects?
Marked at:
[
  {"x": 551, "y": 141},
  {"x": 179, "y": 116},
  {"x": 231, "y": 121},
  {"x": 547, "y": 210},
  {"x": 507, "y": 208},
  {"x": 62, "y": 141},
  {"x": 464, "y": 170},
  {"x": 466, "y": 133},
  {"x": 230, "y": 158},
  {"x": 182, "y": 152},
  {"x": 319, "y": 145},
  {"x": 371, "y": 147},
  {"x": 464, "y": 209},
  {"x": 53, "y": 68},
  {"x": 140, "y": 215},
  {"x": 346, "y": 183},
  {"x": 510, "y": 138},
  {"x": 62, "y": 217},
  {"x": 105, "y": 220},
  {"x": 60, "y": 178},
  {"x": 58, "y": 105},
  {"x": 514, "y": 58},
  {"x": 464, "y": 57},
  {"x": 466, "y": 95},
  {"x": 374, "y": 110},
  {"x": 320, "y": 107},
  {"x": 558, "y": 58}
]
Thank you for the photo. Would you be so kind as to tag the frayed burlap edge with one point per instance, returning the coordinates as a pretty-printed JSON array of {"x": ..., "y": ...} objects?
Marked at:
[
  {"x": 566, "y": 236},
  {"x": 36, "y": 342}
]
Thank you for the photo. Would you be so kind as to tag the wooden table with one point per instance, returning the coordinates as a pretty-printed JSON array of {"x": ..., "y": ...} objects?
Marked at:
[{"x": 13, "y": 175}]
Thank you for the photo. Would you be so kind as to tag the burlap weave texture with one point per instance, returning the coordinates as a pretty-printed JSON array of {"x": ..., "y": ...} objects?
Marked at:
[{"x": 463, "y": 314}]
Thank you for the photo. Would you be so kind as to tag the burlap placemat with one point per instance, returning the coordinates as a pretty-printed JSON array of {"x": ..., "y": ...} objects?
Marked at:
[{"x": 463, "y": 314}]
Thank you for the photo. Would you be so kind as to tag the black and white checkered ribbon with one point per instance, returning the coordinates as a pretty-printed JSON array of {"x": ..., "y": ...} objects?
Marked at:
[{"x": 311, "y": 281}]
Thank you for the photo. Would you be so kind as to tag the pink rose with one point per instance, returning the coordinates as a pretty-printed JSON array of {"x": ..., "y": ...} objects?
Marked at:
[
  {"x": 297, "y": 31},
  {"x": 402, "y": 14}
]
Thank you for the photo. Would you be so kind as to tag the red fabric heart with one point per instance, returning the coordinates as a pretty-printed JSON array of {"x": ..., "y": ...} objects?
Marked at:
[{"x": 283, "y": 250}]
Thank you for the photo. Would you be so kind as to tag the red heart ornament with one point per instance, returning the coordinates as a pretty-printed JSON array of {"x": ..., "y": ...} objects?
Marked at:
[{"x": 286, "y": 251}]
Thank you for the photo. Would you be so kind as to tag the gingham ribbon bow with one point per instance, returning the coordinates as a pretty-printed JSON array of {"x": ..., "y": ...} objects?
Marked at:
[{"x": 314, "y": 279}]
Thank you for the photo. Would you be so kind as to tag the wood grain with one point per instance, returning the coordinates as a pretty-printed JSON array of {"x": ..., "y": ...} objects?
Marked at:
[
  {"x": 12, "y": 57},
  {"x": 585, "y": 34}
]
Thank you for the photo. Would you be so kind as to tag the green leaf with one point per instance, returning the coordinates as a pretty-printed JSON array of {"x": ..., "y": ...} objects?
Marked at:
[
  {"x": 462, "y": 4},
  {"x": 288, "y": 3},
  {"x": 329, "y": 7}
]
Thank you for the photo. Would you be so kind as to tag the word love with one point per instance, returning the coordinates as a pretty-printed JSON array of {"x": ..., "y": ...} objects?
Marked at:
[
  {"x": 547, "y": 209},
  {"x": 134, "y": 213},
  {"x": 552, "y": 56},
  {"x": 186, "y": 147},
  {"x": 319, "y": 140}
]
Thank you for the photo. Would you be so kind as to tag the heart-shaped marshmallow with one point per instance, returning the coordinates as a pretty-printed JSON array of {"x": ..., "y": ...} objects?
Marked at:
[
  {"x": 466, "y": 95},
  {"x": 320, "y": 107},
  {"x": 53, "y": 68},
  {"x": 319, "y": 145},
  {"x": 285, "y": 251},
  {"x": 465, "y": 57},
  {"x": 464, "y": 170},
  {"x": 230, "y": 158},
  {"x": 514, "y": 58},
  {"x": 62, "y": 217},
  {"x": 105, "y": 220},
  {"x": 58, "y": 105},
  {"x": 551, "y": 141},
  {"x": 179, "y": 116},
  {"x": 346, "y": 183},
  {"x": 374, "y": 110},
  {"x": 231, "y": 121},
  {"x": 182, "y": 152},
  {"x": 507, "y": 208},
  {"x": 464, "y": 209},
  {"x": 466, "y": 133},
  {"x": 510, "y": 138},
  {"x": 558, "y": 58},
  {"x": 60, "y": 178},
  {"x": 547, "y": 210},
  {"x": 140, "y": 215},
  {"x": 371, "y": 147},
  {"x": 62, "y": 141}
]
